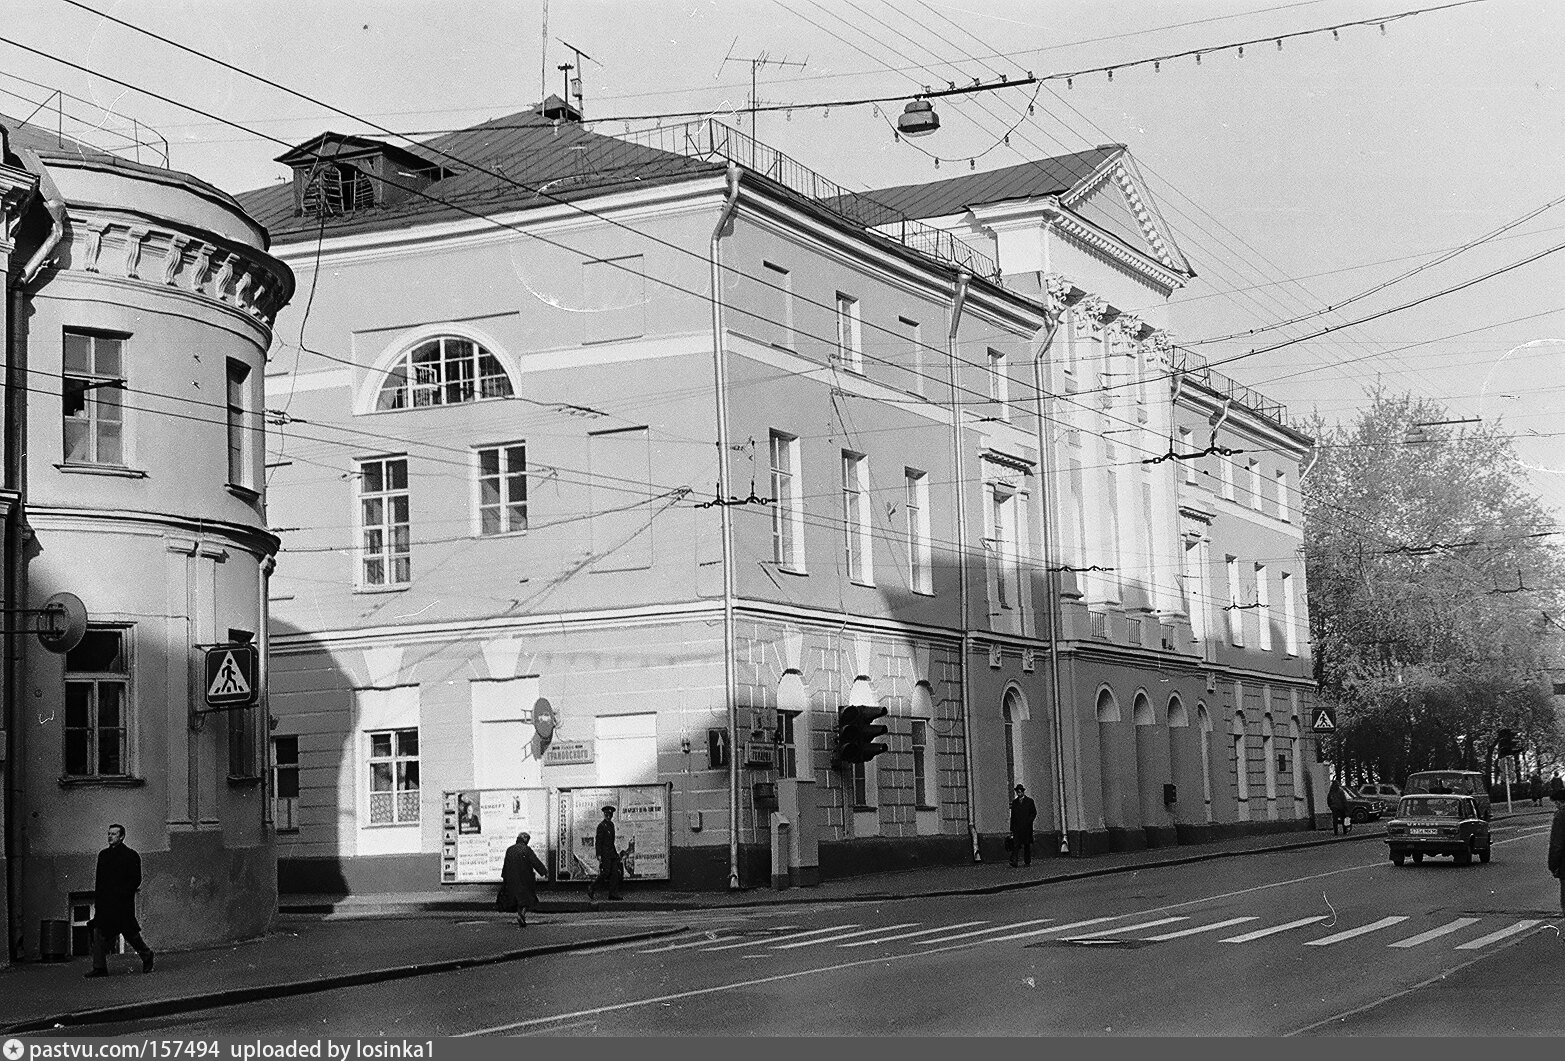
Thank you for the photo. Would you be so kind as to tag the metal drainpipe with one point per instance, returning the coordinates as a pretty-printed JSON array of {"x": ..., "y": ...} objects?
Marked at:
[
  {"x": 1051, "y": 587},
  {"x": 720, "y": 383},
  {"x": 958, "y": 304}
]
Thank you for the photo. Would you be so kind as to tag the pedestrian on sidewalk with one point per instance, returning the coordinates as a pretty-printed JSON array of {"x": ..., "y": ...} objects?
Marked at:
[
  {"x": 1337, "y": 803},
  {"x": 1555, "y": 784},
  {"x": 1535, "y": 788},
  {"x": 1023, "y": 813},
  {"x": 605, "y": 847},
  {"x": 519, "y": 878},
  {"x": 1557, "y": 843},
  {"x": 115, "y": 885}
]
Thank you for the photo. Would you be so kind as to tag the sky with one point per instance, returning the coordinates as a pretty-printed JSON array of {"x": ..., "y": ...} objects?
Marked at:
[{"x": 1294, "y": 177}]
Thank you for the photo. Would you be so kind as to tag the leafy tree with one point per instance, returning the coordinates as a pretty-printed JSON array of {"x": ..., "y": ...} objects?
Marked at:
[{"x": 1434, "y": 590}]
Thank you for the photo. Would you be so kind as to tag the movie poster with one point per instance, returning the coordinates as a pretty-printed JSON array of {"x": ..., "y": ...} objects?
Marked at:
[
  {"x": 477, "y": 825},
  {"x": 641, "y": 830}
]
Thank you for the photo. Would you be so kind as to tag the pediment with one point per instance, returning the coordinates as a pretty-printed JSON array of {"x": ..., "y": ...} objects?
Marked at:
[{"x": 1114, "y": 199}]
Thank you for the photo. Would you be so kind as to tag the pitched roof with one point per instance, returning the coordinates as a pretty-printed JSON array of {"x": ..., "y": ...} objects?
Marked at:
[
  {"x": 516, "y": 162},
  {"x": 1047, "y": 176}
]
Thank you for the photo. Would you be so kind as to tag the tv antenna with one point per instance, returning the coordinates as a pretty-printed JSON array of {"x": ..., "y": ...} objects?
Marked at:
[
  {"x": 756, "y": 63},
  {"x": 573, "y": 84}
]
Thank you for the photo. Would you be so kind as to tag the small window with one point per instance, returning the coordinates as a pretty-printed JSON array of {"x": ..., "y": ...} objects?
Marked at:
[
  {"x": 393, "y": 776},
  {"x": 386, "y": 545},
  {"x": 97, "y": 705},
  {"x": 787, "y": 503},
  {"x": 444, "y": 371},
  {"x": 922, "y": 794},
  {"x": 333, "y": 189},
  {"x": 1000, "y": 385},
  {"x": 285, "y": 784},
  {"x": 91, "y": 388},
  {"x": 787, "y": 744},
  {"x": 857, "y": 526},
  {"x": 502, "y": 489},
  {"x": 243, "y": 426},
  {"x": 913, "y": 337},
  {"x": 921, "y": 575},
  {"x": 850, "y": 338}
]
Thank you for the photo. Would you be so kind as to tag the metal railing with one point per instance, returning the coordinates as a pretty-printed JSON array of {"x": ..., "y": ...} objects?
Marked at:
[
  {"x": 1192, "y": 365},
  {"x": 709, "y": 140},
  {"x": 79, "y": 123}
]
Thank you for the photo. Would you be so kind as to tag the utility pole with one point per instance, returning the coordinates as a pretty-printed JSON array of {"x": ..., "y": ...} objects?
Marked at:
[{"x": 756, "y": 63}]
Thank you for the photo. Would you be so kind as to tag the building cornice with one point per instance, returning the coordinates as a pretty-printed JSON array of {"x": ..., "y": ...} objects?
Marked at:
[
  {"x": 257, "y": 541},
  {"x": 122, "y": 245}
]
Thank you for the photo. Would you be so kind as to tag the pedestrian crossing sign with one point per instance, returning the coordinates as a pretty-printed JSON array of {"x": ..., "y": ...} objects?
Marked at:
[
  {"x": 232, "y": 673},
  {"x": 1325, "y": 721}
]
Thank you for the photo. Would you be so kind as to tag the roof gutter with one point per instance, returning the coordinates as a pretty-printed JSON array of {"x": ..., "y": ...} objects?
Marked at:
[{"x": 720, "y": 386}]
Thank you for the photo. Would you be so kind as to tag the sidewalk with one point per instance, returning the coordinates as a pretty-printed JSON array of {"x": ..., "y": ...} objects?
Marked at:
[{"x": 442, "y": 931}]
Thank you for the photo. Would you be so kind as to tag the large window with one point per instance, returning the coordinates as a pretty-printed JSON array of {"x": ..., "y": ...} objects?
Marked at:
[
  {"x": 502, "y": 488},
  {"x": 383, "y": 515},
  {"x": 242, "y": 426},
  {"x": 97, "y": 705},
  {"x": 285, "y": 784},
  {"x": 857, "y": 528},
  {"x": 850, "y": 337},
  {"x": 94, "y": 378},
  {"x": 913, "y": 337},
  {"x": 787, "y": 503},
  {"x": 1003, "y": 542},
  {"x": 393, "y": 776},
  {"x": 1000, "y": 384},
  {"x": 443, "y": 371},
  {"x": 921, "y": 575}
]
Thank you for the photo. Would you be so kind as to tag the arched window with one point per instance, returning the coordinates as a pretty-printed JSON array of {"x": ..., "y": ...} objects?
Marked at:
[
  {"x": 1012, "y": 710},
  {"x": 449, "y": 370}
]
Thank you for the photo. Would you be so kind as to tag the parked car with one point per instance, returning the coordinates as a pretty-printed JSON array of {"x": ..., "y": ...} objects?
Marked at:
[
  {"x": 1438, "y": 825},
  {"x": 1458, "y": 782},
  {"x": 1385, "y": 796},
  {"x": 1360, "y": 809}
]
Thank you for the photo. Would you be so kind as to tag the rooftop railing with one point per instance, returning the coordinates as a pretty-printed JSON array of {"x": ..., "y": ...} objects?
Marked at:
[
  {"x": 709, "y": 139},
  {"x": 1194, "y": 366}
]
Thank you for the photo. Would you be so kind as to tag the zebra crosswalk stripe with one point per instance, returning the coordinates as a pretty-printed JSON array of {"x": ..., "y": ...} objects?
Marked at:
[
  {"x": 1002, "y": 928},
  {"x": 846, "y": 935},
  {"x": 1261, "y": 933},
  {"x": 1435, "y": 933},
  {"x": 1202, "y": 928},
  {"x": 1036, "y": 931},
  {"x": 756, "y": 941},
  {"x": 692, "y": 943},
  {"x": 1136, "y": 928},
  {"x": 1373, "y": 926},
  {"x": 910, "y": 935},
  {"x": 1495, "y": 937}
]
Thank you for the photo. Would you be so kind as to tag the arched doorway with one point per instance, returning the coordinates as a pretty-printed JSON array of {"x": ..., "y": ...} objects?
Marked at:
[
  {"x": 1153, "y": 771},
  {"x": 1116, "y": 775},
  {"x": 1184, "y": 757}
]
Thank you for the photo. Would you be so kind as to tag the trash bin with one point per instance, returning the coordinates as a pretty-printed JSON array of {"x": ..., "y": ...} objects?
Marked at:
[{"x": 54, "y": 941}]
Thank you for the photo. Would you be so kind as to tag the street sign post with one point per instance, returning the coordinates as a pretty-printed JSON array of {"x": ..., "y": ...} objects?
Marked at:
[
  {"x": 1325, "y": 721},
  {"x": 232, "y": 676}
]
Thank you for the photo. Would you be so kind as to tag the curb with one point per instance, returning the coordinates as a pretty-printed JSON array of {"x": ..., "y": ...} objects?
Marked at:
[
  {"x": 211, "y": 1000},
  {"x": 653, "y": 905}
]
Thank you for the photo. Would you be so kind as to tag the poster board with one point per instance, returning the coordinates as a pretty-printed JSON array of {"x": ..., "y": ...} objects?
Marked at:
[
  {"x": 477, "y": 825},
  {"x": 641, "y": 827}
]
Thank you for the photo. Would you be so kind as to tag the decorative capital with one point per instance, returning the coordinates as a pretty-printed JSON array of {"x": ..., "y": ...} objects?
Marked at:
[
  {"x": 1129, "y": 325},
  {"x": 1056, "y": 291},
  {"x": 1094, "y": 308}
]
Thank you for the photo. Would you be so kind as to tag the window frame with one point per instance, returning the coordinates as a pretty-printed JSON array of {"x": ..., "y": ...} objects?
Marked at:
[
  {"x": 1290, "y": 616},
  {"x": 503, "y": 478},
  {"x": 244, "y": 426},
  {"x": 788, "y": 743},
  {"x": 97, "y": 679},
  {"x": 387, "y": 555},
  {"x": 394, "y": 759},
  {"x": 780, "y": 277},
  {"x": 91, "y": 382},
  {"x": 857, "y": 519},
  {"x": 1263, "y": 608},
  {"x": 850, "y": 334},
  {"x": 1000, "y": 384},
  {"x": 281, "y": 769},
  {"x": 406, "y": 395},
  {"x": 920, "y": 547},
  {"x": 923, "y": 797},
  {"x": 788, "y": 502},
  {"x": 913, "y": 333},
  {"x": 1235, "y": 616}
]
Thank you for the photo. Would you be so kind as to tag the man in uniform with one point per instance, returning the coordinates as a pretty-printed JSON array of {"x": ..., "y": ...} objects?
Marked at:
[{"x": 608, "y": 857}]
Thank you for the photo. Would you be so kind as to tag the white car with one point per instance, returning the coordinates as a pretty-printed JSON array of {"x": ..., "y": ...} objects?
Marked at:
[{"x": 1385, "y": 796}]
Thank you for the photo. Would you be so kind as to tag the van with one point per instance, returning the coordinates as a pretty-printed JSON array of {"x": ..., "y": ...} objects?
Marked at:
[{"x": 1459, "y": 782}]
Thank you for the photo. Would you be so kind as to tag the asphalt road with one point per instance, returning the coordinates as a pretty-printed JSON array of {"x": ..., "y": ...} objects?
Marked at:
[{"x": 1269, "y": 944}]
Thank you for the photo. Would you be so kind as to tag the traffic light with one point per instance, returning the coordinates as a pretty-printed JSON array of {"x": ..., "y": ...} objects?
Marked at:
[
  {"x": 856, "y": 733},
  {"x": 1504, "y": 744}
]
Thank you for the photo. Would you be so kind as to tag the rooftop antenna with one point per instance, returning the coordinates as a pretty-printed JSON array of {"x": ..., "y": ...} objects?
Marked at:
[
  {"x": 756, "y": 63},
  {"x": 573, "y": 84}
]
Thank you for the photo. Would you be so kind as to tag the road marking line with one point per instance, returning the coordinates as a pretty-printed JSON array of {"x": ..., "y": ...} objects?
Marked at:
[
  {"x": 1203, "y": 928},
  {"x": 1033, "y": 932},
  {"x": 849, "y": 935},
  {"x": 1495, "y": 937},
  {"x": 910, "y": 935},
  {"x": 1262, "y": 932},
  {"x": 1132, "y": 928},
  {"x": 1436, "y": 933},
  {"x": 692, "y": 943},
  {"x": 1373, "y": 926},
  {"x": 985, "y": 931},
  {"x": 756, "y": 941}
]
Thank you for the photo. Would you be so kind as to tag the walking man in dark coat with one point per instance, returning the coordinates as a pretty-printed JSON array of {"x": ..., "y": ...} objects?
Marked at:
[
  {"x": 1557, "y": 842},
  {"x": 519, "y": 878},
  {"x": 114, "y": 899},
  {"x": 608, "y": 857},
  {"x": 1023, "y": 813},
  {"x": 1337, "y": 803}
]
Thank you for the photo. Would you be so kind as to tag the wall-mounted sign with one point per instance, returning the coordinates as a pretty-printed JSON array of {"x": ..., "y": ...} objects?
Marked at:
[
  {"x": 641, "y": 830},
  {"x": 232, "y": 675},
  {"x": 568, "y": 753},
  {"x": 477, "y": 825}
]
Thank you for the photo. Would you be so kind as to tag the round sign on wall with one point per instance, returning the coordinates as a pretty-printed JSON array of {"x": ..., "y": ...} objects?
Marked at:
[{"x": 543, "y": 719}]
